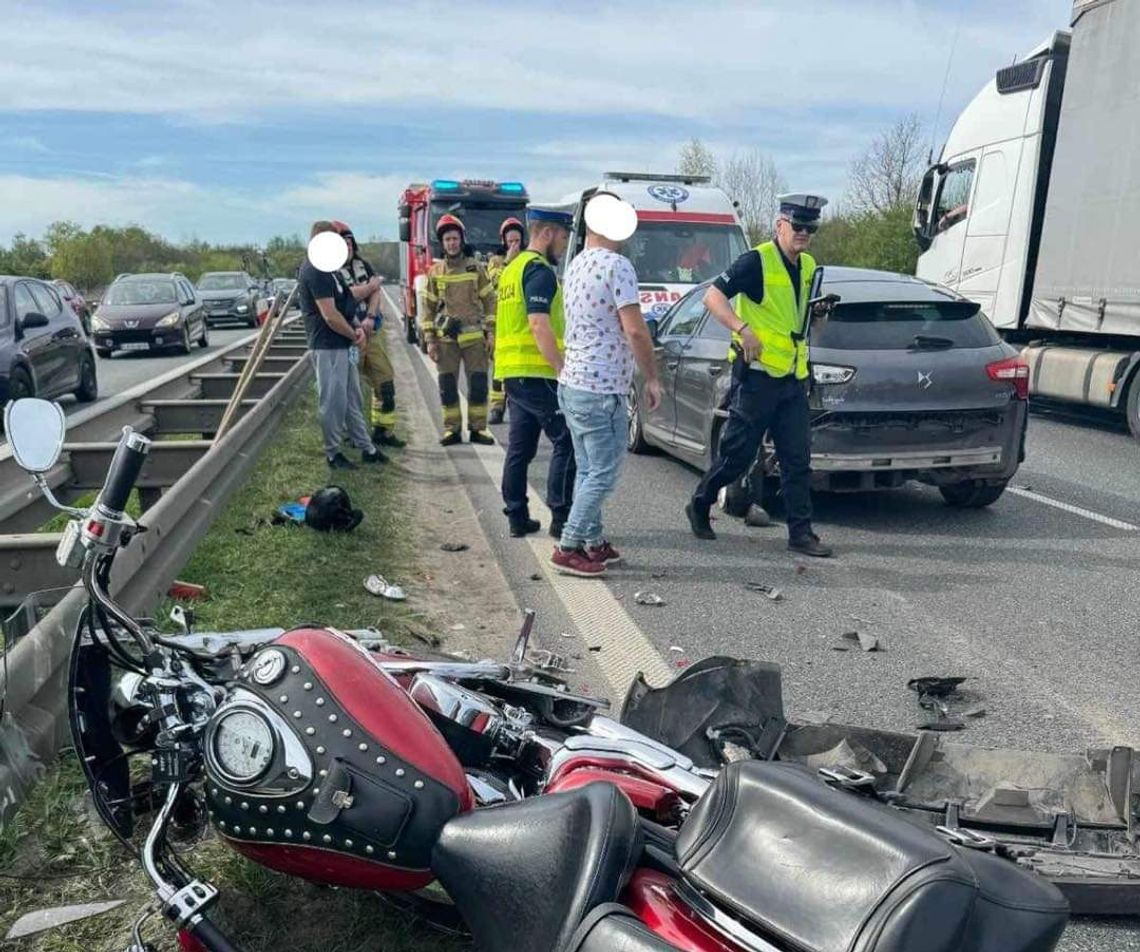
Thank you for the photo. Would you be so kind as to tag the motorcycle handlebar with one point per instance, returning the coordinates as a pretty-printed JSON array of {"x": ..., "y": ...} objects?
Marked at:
[
  {"x": 125, "y": 467},
  {"x": 210, "y": 936}
]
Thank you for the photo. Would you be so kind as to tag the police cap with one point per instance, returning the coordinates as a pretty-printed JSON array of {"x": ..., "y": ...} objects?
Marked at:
[
  {"x": 800, "y": 208},
  {"x": 560, "y": 215}
]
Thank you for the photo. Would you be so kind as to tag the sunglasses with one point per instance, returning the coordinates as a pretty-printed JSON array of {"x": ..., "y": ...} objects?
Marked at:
[{"x": 804, "y": 229}]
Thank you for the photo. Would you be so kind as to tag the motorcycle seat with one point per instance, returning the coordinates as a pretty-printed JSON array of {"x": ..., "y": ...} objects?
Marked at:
[
  {"x": 524, "y": 875},
  {"x": 614, "y": 928},
  {"x": 800, "y": 864}
]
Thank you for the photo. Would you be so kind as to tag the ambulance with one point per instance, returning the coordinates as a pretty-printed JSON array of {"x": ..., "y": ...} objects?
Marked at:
[{"x": 688, "y": 231}]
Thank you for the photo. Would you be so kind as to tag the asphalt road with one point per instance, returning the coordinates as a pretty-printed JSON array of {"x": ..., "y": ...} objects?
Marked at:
[{"x": 1032, "y": 599}]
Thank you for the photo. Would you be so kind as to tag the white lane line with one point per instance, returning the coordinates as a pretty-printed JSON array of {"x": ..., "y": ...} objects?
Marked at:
[
  {"x": 599, "y": 617},
  {"x": 1070, "y": 508}
]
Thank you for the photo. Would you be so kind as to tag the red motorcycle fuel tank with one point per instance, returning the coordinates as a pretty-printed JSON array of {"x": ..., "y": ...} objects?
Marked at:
[{"x": 319, "y": 765}]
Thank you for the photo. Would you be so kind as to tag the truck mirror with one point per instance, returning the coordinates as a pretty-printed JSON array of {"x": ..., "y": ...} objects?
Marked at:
[
  {"x": 405, "y": 228},
  {"x": 921, "y": 222}
]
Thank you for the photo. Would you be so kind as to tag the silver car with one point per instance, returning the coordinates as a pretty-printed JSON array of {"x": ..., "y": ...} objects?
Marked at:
[{"x": 909, "y": 382}]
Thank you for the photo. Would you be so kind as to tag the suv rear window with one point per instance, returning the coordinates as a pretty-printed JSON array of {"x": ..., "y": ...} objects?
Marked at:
[{"x": 897, "y": 325}]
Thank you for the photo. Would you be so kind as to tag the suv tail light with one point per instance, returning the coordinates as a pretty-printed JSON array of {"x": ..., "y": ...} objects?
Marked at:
[{"x": 1013, "y": 370}]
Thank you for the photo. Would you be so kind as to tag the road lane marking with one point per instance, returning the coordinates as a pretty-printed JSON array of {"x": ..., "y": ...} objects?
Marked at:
[
  {"x": 1070, "y": 508},
  {"x": 599, "y": 617}
]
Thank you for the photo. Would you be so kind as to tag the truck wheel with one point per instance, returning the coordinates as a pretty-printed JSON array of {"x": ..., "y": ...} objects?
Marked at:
[
  {"x": 1132, "y": 405},
  {"x": 972, "y": 493}
]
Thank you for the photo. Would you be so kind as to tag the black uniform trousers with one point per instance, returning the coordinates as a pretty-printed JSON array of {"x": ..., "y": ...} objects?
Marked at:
[
  {"x": 534, "y": 410},
  {"x": 758, "y": 404}
]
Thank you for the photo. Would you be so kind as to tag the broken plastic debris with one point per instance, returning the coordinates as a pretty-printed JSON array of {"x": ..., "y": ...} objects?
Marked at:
[
  {"x": 56, "y": 916},
  {"x": 866, "y": 642},
  {"x": 593, "y": 647},
  {"x": 648, "y": 598},
  {"x": 458, "y": 627},
  {"x": 535, "y": 577},
  {"x": 382, "y": 588},
  {"x": 757, "y": 517},
  {"x": 677, "y": 648},
  {"x": 978, "y": 710},
  {"x": 455, "y": 547},
  {"x": 772, "y": 594},
  {"x": 565, "y": 634}
]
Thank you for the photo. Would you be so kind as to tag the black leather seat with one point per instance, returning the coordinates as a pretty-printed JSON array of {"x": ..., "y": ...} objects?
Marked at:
[
  {"x": 614, "y": 928},
  {"x": 824, "y": 870},
  {"x": 524, "y": 875}
]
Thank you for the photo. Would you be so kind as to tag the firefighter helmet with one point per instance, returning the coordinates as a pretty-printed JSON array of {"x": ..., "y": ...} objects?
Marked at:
[
  {"x": 507, "y": 225},
  {"x": 448, "y": 223}
]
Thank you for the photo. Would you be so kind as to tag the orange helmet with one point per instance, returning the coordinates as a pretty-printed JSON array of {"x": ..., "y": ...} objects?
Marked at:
[
  {"x": 507, "y": 225},
  {"x": 448, "y": 223}
]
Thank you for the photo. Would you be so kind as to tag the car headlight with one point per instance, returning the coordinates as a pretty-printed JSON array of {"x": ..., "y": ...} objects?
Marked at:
[
  {"x": 170, "y": 320},
  {"x": 242, "y": 307},
  {"x": 831, "y": 373},
  {"x": 98, "y": 324}
]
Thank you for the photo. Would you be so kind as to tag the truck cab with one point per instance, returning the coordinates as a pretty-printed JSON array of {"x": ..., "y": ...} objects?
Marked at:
[
  {"x": 688, "y": 231},
  {"x": 480, "y": 204}
]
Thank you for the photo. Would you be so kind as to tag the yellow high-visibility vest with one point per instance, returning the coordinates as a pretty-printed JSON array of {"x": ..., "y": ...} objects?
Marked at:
[
  {"x": 777, "y": 321},
  {"x": 516, "y": 351}
]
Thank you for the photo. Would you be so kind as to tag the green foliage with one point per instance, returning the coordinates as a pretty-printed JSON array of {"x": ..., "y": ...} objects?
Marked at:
[
  {"x": 25, "y": 256},
  {"x": 869, "y": 239},
  {"x": 84, "y": 260}
]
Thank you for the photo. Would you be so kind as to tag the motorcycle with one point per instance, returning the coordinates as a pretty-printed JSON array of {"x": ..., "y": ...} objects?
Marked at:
[{"x": 345, "y": 760}]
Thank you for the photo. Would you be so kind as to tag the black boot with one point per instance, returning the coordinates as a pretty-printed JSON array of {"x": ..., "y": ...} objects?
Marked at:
[
  {"x": 482, "y": 437},
  {"x": 451, "y": 438},
  {"x": 557, "y": 524},
  {"x": 699, "y": 521},
  {"x": 808, "y": 543},
  {"x": 382, "y": 436},
  {"x": 523, "y": 525}
]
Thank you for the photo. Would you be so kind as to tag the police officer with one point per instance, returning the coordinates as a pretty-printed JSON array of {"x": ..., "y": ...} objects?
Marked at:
[
  {"x": 375, "y": 367},
  {"x": 528, "y": 358},
  {"x": 459, "y": 328},
  {"x": 511, "y": 235},
  {"x": 769, "y": 354}
]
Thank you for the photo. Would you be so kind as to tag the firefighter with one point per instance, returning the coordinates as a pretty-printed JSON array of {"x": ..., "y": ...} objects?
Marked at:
[
  {"x": 375, "y": 367},
  {"x": 511, "y": 235},
  {"x": 769, "y": 357},
  {"x": 459, "y": 328}
]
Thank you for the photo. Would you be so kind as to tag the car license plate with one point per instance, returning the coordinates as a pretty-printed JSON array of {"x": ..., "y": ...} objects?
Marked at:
[{"x": 136, "y": 346}]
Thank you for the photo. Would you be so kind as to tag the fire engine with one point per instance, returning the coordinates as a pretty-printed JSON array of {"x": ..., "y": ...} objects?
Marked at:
[{"x": 481, "y": 205}]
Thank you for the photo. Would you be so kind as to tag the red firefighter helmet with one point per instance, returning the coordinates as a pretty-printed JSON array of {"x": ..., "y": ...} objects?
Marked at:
[
  {"x": 447, "y": 223},
  {"x": 507, "y": 225}
]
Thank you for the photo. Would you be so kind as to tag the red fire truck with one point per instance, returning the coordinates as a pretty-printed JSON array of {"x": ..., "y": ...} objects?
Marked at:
[{"x": 481, "y": 206}]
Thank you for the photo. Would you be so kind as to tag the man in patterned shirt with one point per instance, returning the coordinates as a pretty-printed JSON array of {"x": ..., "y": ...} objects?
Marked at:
[{"x": 605, "y": 334}]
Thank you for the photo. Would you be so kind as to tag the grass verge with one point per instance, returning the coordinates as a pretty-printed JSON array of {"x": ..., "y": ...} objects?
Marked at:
[{"x": 56, "y": 852}]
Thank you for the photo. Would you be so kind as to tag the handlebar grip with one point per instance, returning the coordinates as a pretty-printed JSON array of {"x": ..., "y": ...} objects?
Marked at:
[
  {"x": 211, "y": 937},
  {"x": 125, "y": 467}
]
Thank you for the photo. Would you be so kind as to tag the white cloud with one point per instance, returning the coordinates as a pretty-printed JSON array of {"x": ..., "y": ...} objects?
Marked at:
[{"x": 27, "y": 144}]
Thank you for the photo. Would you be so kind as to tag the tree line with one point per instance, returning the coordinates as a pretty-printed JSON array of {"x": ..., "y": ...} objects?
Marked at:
[
  {"x": 91, "y": 258},
  {"x": 869, "y": 227}
]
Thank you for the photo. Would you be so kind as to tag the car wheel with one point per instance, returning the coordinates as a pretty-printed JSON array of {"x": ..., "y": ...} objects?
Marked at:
[
  {"x": 20, "y": 385},
  {"x": 972, "y": 493},
  {"x": 186, "y": 346},
  {"x": 204, "y": 337},
  {"x": 88, "y": 388},
  {"x": 635, "y": 436},
  {"x": 1132, "y": 406},
  {"x": 104, "y": 352}
]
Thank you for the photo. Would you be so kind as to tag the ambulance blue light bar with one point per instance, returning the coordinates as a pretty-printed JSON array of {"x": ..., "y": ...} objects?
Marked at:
[
  {"x": 445, "y": 185},
  {"x": 515, "y": 187}
]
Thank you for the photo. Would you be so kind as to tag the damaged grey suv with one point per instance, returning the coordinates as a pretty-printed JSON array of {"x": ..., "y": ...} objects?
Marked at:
[{"x": 909, "y": 382}]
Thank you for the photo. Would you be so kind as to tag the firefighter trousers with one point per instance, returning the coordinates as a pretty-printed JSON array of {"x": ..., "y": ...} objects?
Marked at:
[
  {"x": 472, "y": 354},
  {"x": 376, "y": 371}
]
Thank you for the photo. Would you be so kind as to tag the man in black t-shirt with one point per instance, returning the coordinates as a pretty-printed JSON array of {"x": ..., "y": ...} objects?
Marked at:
[{"x": 328, "y": 306}]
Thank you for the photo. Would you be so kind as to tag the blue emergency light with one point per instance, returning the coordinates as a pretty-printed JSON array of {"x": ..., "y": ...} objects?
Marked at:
[
  {"x": 445, "y": 185},
  {"x": 511, "y": 187}
]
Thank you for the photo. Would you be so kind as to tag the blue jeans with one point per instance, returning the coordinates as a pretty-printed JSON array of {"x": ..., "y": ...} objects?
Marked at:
[{"x": 598, "y": 426}]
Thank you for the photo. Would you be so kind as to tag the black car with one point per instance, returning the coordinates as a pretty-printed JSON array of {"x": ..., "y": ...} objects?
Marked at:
[
  {"x": 146, "y": 311},
  {"x": 230, "y": 296},
  {"x": 43, "y": 350},
  {"x": 909, "y": 382}
]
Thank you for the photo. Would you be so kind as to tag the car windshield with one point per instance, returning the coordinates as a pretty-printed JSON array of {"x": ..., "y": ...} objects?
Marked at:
[
  {"x": 665, "y": 252},
  {"x": 481, "y": 224},
  {"x": 900, "y": 325},
  {"x": 141, "y": 292},
  {"x": 222, "y": 282}
]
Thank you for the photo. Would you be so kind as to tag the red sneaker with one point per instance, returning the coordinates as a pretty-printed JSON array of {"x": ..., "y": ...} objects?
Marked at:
[
  {"x": 604, "y": 553},
  {"x": 576, "y": 562}
]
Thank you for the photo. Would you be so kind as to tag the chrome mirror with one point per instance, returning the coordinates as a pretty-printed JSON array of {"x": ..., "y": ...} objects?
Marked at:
[{"x": 35, "y": 431}]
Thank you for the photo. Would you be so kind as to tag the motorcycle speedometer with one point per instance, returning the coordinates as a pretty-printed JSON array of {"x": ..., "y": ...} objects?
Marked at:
[{"x": 243, "y": 744}]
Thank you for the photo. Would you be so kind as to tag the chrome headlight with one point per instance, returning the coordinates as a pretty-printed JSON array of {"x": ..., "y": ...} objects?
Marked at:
[
  {"x": 831, "y": 373},
  {"x": 170, "y": 320}
]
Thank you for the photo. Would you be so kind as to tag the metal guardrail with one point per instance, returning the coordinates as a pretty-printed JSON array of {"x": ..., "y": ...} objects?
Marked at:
[{"x": 36, "y": 682}]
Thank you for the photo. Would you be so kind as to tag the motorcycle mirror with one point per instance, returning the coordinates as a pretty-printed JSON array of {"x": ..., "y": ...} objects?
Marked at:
[{"x": 35, "y": 431}]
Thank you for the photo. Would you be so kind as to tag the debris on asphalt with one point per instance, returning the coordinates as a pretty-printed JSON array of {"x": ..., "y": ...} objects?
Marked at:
[
  {"x": 593, "y": 647},
  {"x": 681, "y": 663},
  {"x": 535, "y": 576},
  {"x": 548, "y": 661},
  {"x": 565, "y": 634},
  {"x": 757, "y": 517},
  {"x": 866, "y": 642},
  {"x": 838, "y": 647},
  {"x": 55, "y": 916},
  {"x": 845, "y": 754},
  {"x": 942, "y": 724},
  {"x": 380, "y": 587},
  {"x": 677, "y": 648},
  {"x": 978, "y": 710},
  {"x": 459, "y": 626},
  {"x": 455, "y": 547},
  {"x": 800, "y": 568},
  {"x": 938, "y": 687},
  {"x": 658, "y": 575},
  {"x": 772, "y": 594},
  {"x": 936, "y": 694},
  {"x": 648, "y": 598}
]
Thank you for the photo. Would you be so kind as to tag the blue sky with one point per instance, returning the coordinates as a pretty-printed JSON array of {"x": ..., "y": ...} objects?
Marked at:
[{"x": 238, "y": 121}]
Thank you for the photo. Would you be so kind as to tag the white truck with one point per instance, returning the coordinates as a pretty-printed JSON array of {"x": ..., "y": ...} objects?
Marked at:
[{"x": 1033, "y": 209}]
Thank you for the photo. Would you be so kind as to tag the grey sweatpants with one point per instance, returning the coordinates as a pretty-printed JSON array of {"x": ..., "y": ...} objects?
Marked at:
[{"x": 338, "y": 394}]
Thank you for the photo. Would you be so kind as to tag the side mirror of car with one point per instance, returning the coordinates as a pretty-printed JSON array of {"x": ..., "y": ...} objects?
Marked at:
[
  {"x": 653, "y": 324},
  {"x": 33, "y": 319}
]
